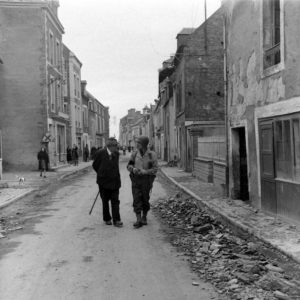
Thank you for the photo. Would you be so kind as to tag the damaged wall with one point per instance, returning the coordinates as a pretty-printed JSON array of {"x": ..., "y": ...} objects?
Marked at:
[{"x": 248, "y": 85}]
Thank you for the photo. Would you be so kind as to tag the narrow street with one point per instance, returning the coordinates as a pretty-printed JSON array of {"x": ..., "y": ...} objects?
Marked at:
[{"x": 61, "y": 252}]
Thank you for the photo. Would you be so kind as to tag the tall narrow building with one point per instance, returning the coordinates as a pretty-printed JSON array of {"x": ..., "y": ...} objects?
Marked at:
[{"x": 33, "y": 112}]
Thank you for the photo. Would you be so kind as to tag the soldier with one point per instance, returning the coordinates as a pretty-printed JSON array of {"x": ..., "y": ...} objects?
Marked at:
[{"x": 143, "y": 168}]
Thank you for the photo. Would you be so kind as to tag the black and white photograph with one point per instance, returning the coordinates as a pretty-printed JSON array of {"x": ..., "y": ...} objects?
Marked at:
[{"x": 149, "y": 150}]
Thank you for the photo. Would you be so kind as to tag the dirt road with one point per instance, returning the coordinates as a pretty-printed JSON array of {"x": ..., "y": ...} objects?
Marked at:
[{"x": 63, "y": 253}]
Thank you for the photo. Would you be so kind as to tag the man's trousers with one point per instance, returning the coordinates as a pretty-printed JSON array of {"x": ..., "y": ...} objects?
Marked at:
[
  {"x": 141, "y": 188},
  {"x": 112, "y": 196}
]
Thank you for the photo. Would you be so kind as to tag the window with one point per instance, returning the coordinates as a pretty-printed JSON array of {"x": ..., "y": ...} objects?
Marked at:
[
  {"x": 51, "y": 48},
  {"x": 52, "y": 93},
  {"x": 271, "y": 33},
  {"x": 75, "y": 83},
  {"x": 57, "y": 54},
  {"x": 58, "y": 96},
  {"x": 296, "y": 148},
  {"x": 78, "y": 88},
  {"x": 287, "y": 147},
  {"x": 283, "y": 149},
  {"x": 65, "y": 107}
]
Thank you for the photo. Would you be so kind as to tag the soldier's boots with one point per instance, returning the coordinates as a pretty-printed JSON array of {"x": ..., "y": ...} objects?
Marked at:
[
  {"x": 138, "y": 222},
  {"x": 144, "y": 219}
]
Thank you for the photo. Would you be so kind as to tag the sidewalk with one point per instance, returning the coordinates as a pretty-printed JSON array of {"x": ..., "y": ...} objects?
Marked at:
[
  {"x": 11, "y": 189},
  {"x": 278, "y": 233}
]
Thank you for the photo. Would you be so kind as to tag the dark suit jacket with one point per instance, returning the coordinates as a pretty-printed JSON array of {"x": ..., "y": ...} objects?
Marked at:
[{"x": 108, "y": 174}]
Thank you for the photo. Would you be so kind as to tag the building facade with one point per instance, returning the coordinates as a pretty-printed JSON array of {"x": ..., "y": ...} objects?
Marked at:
[
  {"x": 262, "y": 62},
  {"x": 95, "y": 118},
  {"x": 199, "y": 99},
  {"x": 133, "y": 125},
  {"x": 31, "y": 83},
  {"x": 165, "y": 82}
]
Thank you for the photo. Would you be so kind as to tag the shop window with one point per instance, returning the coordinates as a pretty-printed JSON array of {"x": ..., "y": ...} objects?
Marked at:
[
  {"x": 283, "y": 149},
  {"x": 296, "y": 149},
  {"x": 287, "y": 148}
]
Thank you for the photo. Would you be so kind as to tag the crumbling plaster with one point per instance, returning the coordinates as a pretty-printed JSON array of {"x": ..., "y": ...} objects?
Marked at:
[{"x": 250, "y": 88}]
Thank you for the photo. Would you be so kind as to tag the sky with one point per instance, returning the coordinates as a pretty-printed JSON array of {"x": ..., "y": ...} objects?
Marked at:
[{"x": 123, "y": 43}]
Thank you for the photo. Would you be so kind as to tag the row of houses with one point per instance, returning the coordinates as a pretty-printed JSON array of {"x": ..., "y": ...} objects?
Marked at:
[
  {"x": 43, "y": 100},
  {"x": 228, "y": 107}
]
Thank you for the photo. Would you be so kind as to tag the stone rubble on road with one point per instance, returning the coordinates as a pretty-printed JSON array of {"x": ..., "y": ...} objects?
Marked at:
[
  {"x": 280, "y": 233},
  {"x": 234, "y": 265}
]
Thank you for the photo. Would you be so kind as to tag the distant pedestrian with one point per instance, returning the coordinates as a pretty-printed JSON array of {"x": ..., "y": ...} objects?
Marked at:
[
  {"x": 75, "y": 155},
  {"x": 43, "y": 159},
  {"x": 106, "y": 164},
  {"x": 143, "y": 167},
  {"x": 93, "y": 151},
  {"x": 124, "y": 150},
  {"x": 86, "y": 153},
  {"x": 69, "y": 155}
]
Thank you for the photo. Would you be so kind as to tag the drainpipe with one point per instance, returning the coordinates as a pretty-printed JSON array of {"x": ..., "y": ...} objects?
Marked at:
[{"x": 226, "y": 105}]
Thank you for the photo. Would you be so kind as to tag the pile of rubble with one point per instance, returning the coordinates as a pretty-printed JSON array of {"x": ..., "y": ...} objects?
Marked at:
[{"x": 235, "y": 266}]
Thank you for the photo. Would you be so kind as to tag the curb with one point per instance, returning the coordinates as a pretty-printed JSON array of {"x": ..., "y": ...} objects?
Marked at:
[
  {"x": 13, "y": 199},
  {"x": 63, "y": 176},
  {"x": 237, "y": 226}
]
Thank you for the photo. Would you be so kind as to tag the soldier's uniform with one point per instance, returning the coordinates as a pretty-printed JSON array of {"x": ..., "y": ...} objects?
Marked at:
[{"x": 142, "y": 181}]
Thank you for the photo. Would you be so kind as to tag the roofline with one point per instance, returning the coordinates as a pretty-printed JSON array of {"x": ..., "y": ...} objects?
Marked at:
[
  {"x": 43, "y": 5},
  {"x": 72, "y": 54}
]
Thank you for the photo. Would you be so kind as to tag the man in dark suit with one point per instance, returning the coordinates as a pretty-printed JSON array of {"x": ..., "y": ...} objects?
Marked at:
[{"x": 106, "y": 164}]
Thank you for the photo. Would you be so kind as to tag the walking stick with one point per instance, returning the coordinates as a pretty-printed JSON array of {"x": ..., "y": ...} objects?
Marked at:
[{"x": 94, "y": 203}]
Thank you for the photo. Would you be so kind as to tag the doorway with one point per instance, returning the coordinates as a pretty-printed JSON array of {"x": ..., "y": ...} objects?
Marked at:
[{"x": 239, "y": 164}]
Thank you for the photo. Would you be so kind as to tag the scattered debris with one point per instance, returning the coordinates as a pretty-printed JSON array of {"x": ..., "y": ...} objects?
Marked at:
[{"x": 234, "y": 265}]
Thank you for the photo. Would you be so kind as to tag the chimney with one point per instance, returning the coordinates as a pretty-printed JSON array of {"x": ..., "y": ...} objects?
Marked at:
[
  {"x": 83, "y": 85},
  {"x": 183, "y": 36},
  {"x": 54, "y": 5}
]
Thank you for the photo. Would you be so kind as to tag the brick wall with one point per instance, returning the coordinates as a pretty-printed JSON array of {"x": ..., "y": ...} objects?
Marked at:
[{"x": 204, "y": 81}]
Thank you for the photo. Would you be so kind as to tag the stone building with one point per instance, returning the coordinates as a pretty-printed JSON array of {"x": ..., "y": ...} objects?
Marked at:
[
  {"x": 72, "y": 96},
  {"x": 135, "y": 124},
  {"x": 165, "y": 82},
  {"x": 199, "y": 98},
  {"x": 32, "y": 107},
  {"x": 262, "y": 63},
  {"x": 158, "y": 128},
  {"x": 95, "y": 118}
]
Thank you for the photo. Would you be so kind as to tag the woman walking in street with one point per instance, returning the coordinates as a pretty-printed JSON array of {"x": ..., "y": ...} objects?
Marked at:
[
  {"x": 69, "y": 155},
  {"x": 75, "y": 155},
  {"x": 43, "y": 159}
]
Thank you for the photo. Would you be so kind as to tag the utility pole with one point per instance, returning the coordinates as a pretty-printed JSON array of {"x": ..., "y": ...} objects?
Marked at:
[{"x": 205, "y": 28}]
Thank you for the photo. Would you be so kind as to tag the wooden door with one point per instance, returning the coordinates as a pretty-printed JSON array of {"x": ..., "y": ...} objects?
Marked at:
[{"x": 268, "y": 185}]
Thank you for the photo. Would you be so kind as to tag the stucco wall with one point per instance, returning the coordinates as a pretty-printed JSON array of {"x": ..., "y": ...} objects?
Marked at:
[
  {"x": 249, "y": 86},
  {"x": 22, "y": 85}
]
